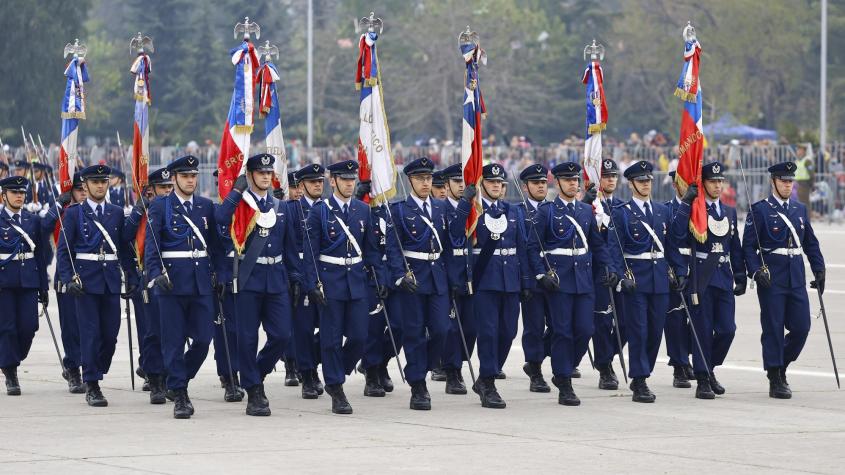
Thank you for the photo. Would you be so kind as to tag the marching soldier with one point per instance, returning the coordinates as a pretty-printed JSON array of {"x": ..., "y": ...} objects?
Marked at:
[
  {"x": 342, "y": 246},
  {"x": 640, "y": 230},
  {"x": 459, "y": 266},
  {"x": 23, "y": 279},
  {"x": 605, "y": 342},
  {"x": 267, "y": 268},
  {"x": 94, "y": 233},
  {"x": 571, "y": 240},
  {"x": 416, "y": 266},
  {"x": 777, "y": 235},
  {"x": 68, "y": 321},
  {"x": 151, "y": 359},
  {"x": 677, "y": 331},
  {"x": 536, "y": 314},
  {"x": 438, "y": 185},
  {"x": 500, "y": 277},
  {"x": 717, "y": 275},
  {"x": 305, "y": 342},
  {"x": 117, "y": 189},
  {"x": 294, "y": 193},
  {"x": 176, "y": 257}
]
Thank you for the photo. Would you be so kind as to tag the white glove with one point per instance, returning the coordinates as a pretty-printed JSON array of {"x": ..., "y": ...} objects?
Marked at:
[
  {"x": 127, "y": 210},
  {"x": 33, "y": 207}
]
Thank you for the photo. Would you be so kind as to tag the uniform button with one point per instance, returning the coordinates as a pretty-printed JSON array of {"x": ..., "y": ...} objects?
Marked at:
[
  {"x": 104, "y": 264},
  {"x": 504, "y": 262},
  {"x": 269, "y": 245},
  {"x": 576, "y": 264},
  {"x": 196, "y": 263}
]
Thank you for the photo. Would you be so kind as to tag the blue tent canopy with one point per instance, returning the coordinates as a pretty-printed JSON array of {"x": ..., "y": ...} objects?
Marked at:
[{"x": 729, "y": 127}]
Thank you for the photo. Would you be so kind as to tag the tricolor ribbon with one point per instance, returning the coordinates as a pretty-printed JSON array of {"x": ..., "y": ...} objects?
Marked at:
[{"x": 269, "y": 109}]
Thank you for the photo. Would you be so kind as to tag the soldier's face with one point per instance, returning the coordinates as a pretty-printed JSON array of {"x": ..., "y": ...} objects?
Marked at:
[
  {"x": 494, "y": 189},
  {"x": 294, "y": 192},
  {"x": 187, "y": 182},
  {"x": 421, "y": 184},
  {"x": 641, "y": 188},
  {"x": 162, "y": 190},
  {"x": 608, "y": 184},
  {"x": 96, "y": 188},
  {"x": 537, "y": 189},
  {"x": 20, "y": 171},
  {"x": 713, "y": 188},
  {"x": 343, "y": 186},
  {"x": 456, "y": 187},
  {"x": 262, "y": 180},
  {"x": 438, "y": 192},
  {"x": 313, "y": 188},
  {"x": 79, "y": 195},
  {"x": 783, "y": 187},
  {"x": 569, "y": 187},
  {"x": 14, "y": 199}
]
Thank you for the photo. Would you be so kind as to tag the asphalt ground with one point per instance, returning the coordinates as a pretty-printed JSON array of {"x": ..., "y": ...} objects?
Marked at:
[{"x": 48, "y": 430}]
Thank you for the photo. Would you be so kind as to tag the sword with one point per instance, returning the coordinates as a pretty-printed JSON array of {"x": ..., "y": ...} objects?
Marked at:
[
  {"x": 55, "y": 342},
  {"x": 590, "y": 355},
  {"x": 463, "y": 340},
  {"x": 692, "y": 326},
  {"x": 129, "y": 334},
  {"x": 221, "y": 320},
  {"x": 618, "y": 335},
  {"x": 763, "y": 268},
  {"x": 827, "y": 332},
  {"x": 389, "y": 330}
]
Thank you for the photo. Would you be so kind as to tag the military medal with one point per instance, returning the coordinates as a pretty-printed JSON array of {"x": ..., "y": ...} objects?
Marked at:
[
  {"x": 497, "y": 226},
  {"x": 719, "y": 227}
]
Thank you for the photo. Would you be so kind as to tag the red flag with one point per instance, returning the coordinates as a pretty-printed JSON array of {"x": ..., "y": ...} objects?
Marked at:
[{"x": 472, "y": 156}]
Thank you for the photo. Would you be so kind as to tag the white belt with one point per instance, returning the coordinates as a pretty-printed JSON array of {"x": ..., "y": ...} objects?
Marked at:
[
  {"x": 647, "y": 256},
  {"x": 340, "y": 261},
  {"x": 567, "y": 252},
  {"x": 260, "y": 260},
  {"x": 459, "y": 252},
  {"x": 195, "y": 254},
  {"x": 19, "y": 256},
  {"x": 703, "y": 255},
  {"x": 505, "y": 251},
  {"x": 685, "y": 251},
  {"x": 87, "y": 256},
  {"x": 788, "y": 251},
  {"x": 423, "y": 256}
]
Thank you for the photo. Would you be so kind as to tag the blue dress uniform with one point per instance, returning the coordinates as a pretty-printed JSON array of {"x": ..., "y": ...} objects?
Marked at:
[
  {"x": 677, "y": 330},
  {"x": 117, "y": 194},
  {"x": 378, "y": 350},
  {"x": 342, "y": 247},
  {"x": 645, "y": 305},
  {"x": 292, "y": 376},
  {"x": 605, "y": 341},
  {"x": 306, "y": 343},
  {"x": 23, "y": 280},
  {"x": 719, "y": 264},
  {"x": 94, "y": 233},
  {"x": 268, "y": 265},
  {"x": 536, "y": 314},
  {"x": 420, "y": 240},
  {"x": 66, "y": 302},
  {"x": 785, "y": 236},
  {"x": 570, "y": 237},
  {"x": 501, "y": 271},
  {"x": 149, "y": 337},
  {"x": 459, "y": 269},
  {"x": 185, "y": 231}
]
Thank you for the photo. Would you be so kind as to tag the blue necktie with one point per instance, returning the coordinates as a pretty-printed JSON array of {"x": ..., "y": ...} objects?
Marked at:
[
  {"x": 99, "y": 212},
  {"x": 425, "y": 210},
  {"x": 17, "y": 219},
  {"x": 345, "y": 212},
  {"x": 571, "y": 208},
  {"x": 187, "y": 206},
  {"x": 261, "y": 204},
  {"x": 648, "y": 215}
]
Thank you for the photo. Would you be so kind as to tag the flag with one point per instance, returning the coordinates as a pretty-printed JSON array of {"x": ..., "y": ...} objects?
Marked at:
[
  {"x": 375, "y": 158},
  {"x": 73, "y": 110},
  {"x": 691, "y": 143},
  {"x": 268, "y": 101},
  {"x": 234, "y": 145},
  {"x": 474, "y": 109},
  {"x": 596, "y": 123},
  {"x": 141, "y": 68}
]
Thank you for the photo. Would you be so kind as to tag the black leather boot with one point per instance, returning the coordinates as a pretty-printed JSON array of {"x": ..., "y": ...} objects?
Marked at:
[
  {"x": 703, "y": 390},
  {"x": 156, "y": 389},
  {"x": 777, "y": 388},
  {"x": 340, "y": 405},
  {"x": 231, "y": 392},
  {"x": 718, "y": 388},
  {"x": 607, "y": 378},
  {"x": 256, "y": 404},
  {"x": 689, "y": 372},
  {"x": 420, "y": 398},
  {"x": 94, "y": 396},
  {"x": 566, "y": 396},
  {"x": 454, "y": 385},
  {"x": 74, "y": 381},
  {"x": 318, "y": 384},
  {"x": 783, "y": 377},
  {"x": 309, "y": 386},
  {"x": 489, "y": 395},
  {"x": 438, "y": 374},
  {"x": 373, "y": 387},
  {"x": 181, "y": 409},
  {"x": 13, "y": 387},
  {"x": 290, "y": 373},
  {"x": 501, "y": 375},
  {"x": 384, "y": 378},
  {"x": 679, "y": 379},
  {"x": 641, "y": 391},
  {"x": 537, "y": 383},
  {"x": 576, "y": 373}
]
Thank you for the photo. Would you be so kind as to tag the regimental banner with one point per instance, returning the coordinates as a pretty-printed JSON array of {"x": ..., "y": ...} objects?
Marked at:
[
  {"x": 472, "y": 156},
  {"x": 269, "y": 109},
  {"x": 73, "y": 110},
  {"x": 141, "y": 68}
]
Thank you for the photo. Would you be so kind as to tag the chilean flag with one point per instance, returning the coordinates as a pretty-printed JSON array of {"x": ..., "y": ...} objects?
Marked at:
[
  {"x": 474, "y": 109},
  {"x": 234, "y": 145},
  {"x": 691, "y": 144},
  {"x": 141, "y": 68},
  {"x": 73, "y": 110},
  {"x": 596, "y": 122},
  {"x": 268, "y": 101},
  {"x": 375, "y": 159}
]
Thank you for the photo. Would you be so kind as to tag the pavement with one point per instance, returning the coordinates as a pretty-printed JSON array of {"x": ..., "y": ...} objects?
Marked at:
[{"x": 48, "y": 430}]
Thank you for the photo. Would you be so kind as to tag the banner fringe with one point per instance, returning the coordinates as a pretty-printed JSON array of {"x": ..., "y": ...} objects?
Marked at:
[{"x": 688, "y": 97}]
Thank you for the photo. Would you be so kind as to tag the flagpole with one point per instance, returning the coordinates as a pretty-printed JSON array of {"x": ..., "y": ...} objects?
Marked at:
[
  {"x": 310, "y": 79},
  {"x": 823, "y": 88}
]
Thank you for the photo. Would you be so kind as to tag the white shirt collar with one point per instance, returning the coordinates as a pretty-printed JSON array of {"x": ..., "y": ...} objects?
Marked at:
[
  {"x": 641, "y": 204},
  {"x": 309, "y": 200},
  {"x": 419, "y": 201},
  {"x": 182, "y": 201},
  {"x": 488, "y": 202},
  {"x": 535, "y": 204},
  {"x": 454, "y": 202},
  {"x": 563, "y": 200},
  {"x": 676, "y": 200},
  {"x": 93, "y": 204},
  {"x": 340, "y": 201},
  {"x": 10, "y": 213},
  {"x": 717, "y": 203},
  {"x": 782, "y": 202}
]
